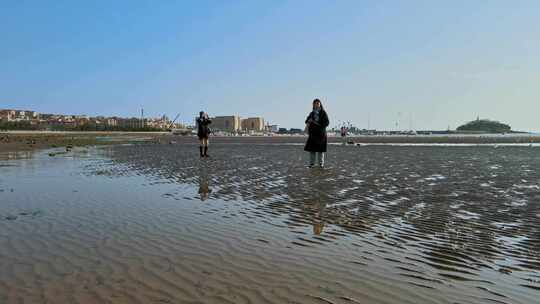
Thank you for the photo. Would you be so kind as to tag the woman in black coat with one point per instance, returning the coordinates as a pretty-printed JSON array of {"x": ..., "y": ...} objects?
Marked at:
[
  {"x": 316, "y": 124},
  {"x": 203, "y": 132}
]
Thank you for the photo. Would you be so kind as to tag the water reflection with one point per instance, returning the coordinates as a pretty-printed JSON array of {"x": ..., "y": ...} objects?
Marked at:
[
  {"x": 318, "y": 205},
  {"x": 311, "y": 193},
  {"x": 440, "y": 206},
  {"x": 4, "y": 156},
  {"x": 204, "y": 183}
]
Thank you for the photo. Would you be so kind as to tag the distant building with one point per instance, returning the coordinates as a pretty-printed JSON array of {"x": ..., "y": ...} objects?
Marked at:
[
  {"x": 46, "y": 117},
  {"x": 68, "y": 122},
  {"x": 80, "y": 118},
  {"x": 158, "y": 123},
  {"x": 283, "y": 131},
  {"x": 68, "y": 119},
  {"x": 253, "y": 124},
  {"x": 273, "y": 128},
  {"x": 226, "y": 123},
  {"x": 21, "y": 115},
  {"x": 18, "y": 115},
  {"x": 111, "y": 122},
  {"x": 32, "y": 114},
  {"x": 7, "y": 115},
  {"x": 129, "y": 122}
]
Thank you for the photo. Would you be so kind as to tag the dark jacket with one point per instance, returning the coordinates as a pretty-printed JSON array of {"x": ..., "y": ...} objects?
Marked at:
[
  {"x": 317, "y": 140},
  {"x": 202, "y": 127}
]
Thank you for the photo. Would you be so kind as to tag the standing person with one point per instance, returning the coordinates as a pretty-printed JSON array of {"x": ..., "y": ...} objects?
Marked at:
[
  {"x": 316, "y": 124},
  {"x": 344, "y": 132},
  {"x": 203, "y": 132}
]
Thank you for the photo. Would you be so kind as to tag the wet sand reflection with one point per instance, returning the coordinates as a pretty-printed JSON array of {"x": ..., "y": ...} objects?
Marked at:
[
  {"x": 204, "y": 183},
  {"x": 464, "y": 214}
]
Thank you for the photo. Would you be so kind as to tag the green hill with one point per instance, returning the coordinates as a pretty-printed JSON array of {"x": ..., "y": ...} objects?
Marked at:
[{"x": 485, "y": 125}]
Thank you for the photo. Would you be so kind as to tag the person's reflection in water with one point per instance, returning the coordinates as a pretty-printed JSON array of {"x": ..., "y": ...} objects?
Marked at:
[
  {"x": 204, "y": 184},
  {"x": 318, "y": 227},
  {"x": 310, "y": 193},
  {"x": 319, "y": 198},
  {"x": 318, "y": 205}
]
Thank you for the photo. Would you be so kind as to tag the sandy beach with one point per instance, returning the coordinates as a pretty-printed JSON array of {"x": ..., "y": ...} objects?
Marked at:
[{"x": 151, "y": 222}]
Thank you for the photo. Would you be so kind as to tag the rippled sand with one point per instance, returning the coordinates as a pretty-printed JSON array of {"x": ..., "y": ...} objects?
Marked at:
[{"x": 154, "y": 223}]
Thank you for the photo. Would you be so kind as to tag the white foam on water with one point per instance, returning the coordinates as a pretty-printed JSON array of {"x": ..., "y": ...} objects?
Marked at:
[
  {"x": 467, "y": 215},
  {"x": 435, "y": 177},
  {"x": 420, "y": 206},
  {"x": 454, "y": 194},
  {"x": 511, "y": 240},
  {"x": 518, "y": 203},
  {"x": 398, "y": 201},
  {"x": 344, "y": 191},
  {"x": 378, "y": 207},
  {"x": 432, "y": 178},
  {"x": 343, "y": 203},
  {"x": 456, "y": 206},
  {"x": 502, "y": 225},
  {"x": 521, "y": 186},
  {"x": 388, "y": 192}
]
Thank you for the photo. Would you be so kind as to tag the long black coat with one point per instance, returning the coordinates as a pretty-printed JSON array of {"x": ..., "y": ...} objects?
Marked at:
[
  {"x": 202, "y": 127},
  {"x": 317, "y": 140}
]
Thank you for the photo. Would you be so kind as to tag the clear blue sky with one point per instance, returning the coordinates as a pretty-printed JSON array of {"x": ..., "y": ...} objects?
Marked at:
[{"x": 440, "y": 63}]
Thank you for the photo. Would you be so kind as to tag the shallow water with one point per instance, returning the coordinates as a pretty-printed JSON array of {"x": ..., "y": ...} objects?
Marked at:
[{"x": 381, "y": 224}]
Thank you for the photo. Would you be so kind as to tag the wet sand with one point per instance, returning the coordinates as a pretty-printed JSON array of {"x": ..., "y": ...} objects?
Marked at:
[
  {"x": 515, "y": 138},
  {"x": 153, "y": 223},
  {"x": 17, "y": 141},
  {"x": 28, "y": 141}
]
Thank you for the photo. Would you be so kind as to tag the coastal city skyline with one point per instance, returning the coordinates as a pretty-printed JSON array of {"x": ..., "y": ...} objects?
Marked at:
[
  {"x": 17, "y": 119},
  {"x": 20, "y": 119},
  {"x": 376, "y": 64},
  {"x": 403, "y": 121}
]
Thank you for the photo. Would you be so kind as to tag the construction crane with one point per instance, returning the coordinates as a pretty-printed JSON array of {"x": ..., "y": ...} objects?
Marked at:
[
  {"x": 183, "y": 131},
  {"x": 172, "y": 123}
]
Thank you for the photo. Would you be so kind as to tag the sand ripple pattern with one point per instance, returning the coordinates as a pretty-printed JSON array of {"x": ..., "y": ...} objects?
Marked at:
[{"x": 155, "y": 224}]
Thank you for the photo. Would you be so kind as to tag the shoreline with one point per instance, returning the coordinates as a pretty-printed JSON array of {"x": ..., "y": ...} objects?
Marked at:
[
  {"x": 15, "y": 141},
  {"x": 29, "y": 141}
]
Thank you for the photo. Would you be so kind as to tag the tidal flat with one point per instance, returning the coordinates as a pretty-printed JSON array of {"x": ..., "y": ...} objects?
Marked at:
[{"x": 153, "y": 223}]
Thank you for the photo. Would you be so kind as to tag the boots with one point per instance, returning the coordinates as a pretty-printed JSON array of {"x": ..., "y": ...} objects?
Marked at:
[
  {"x": 201, "y": 151},
  {"x": 205, "y": 151}
]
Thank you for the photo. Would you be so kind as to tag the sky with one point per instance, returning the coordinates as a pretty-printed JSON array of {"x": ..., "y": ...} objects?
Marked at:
[{"x": 378, "y": 64}]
